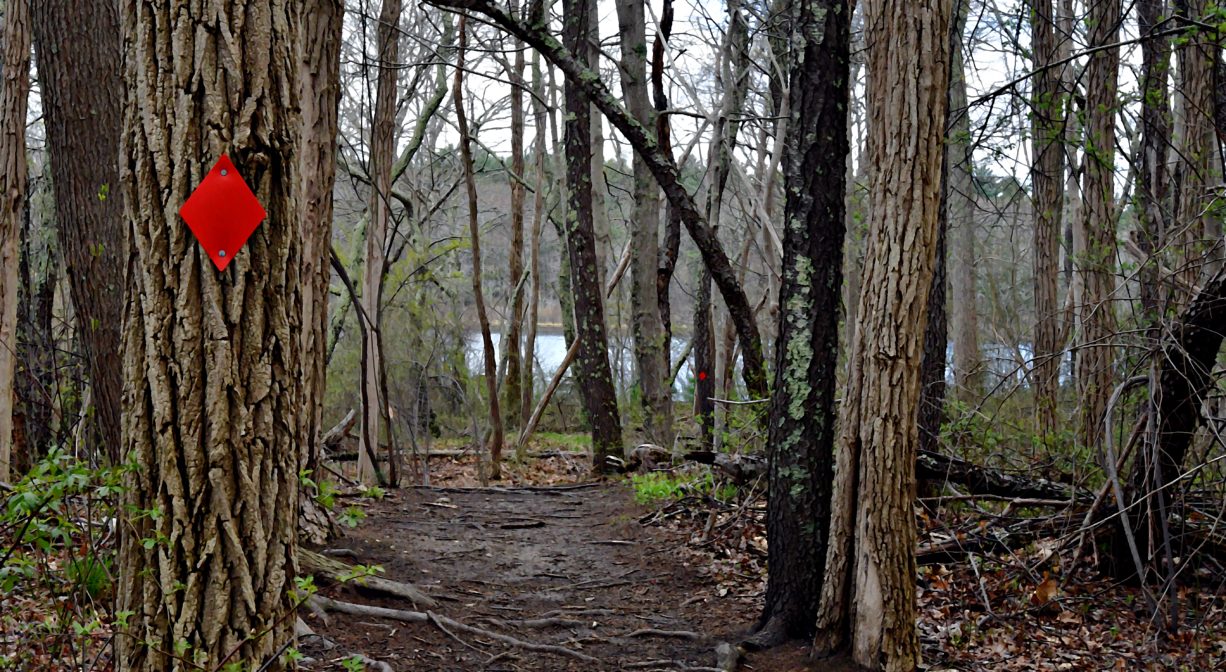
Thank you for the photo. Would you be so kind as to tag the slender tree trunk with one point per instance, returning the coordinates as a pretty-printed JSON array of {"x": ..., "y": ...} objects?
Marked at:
[
  {"x": 1096, "y": 262},
  {"x": 515, "y": 267},
  {"x": 650, "y": 341},
  {"x": 959, "y": 213},
  {"x": 600, "y": 399},
  {"x": 1047, "y": 129},
  {"x": 672, "y": 231},
  {"x": 382, "y": 154},
  {"x": 1152, "y": 180},
  {"x": 868, "y": 599},
  {"x": 470, "y": 184},
  {"x": 538, "y": 206},
  {"x": 802, "y": 411},
  {"x": 662, "y": 167},
  {"x": 79, "y": 47},
  {"x": 13, "y": 104},
  {"x": 212, "y": 391},
  {"x": 319, "y": 81}
]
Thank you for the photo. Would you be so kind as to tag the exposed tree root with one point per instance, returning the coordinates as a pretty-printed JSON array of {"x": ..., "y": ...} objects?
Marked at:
[
  {"x": 336, "y": 571},
  {"x": 447, "y": 625}
]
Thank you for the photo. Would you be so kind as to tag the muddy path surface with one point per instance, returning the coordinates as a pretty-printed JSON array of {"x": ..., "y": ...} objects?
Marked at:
[{"x": 567, "y": 567}]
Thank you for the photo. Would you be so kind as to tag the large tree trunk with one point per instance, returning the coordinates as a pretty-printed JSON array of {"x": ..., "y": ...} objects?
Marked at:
[
  {"x": 1047, "y": 131},
  {"x": 1096, "y": 258},
  {"x": 470, "y": 185},
  {"x": 79, "y": 47},
  {"x": 382, "y": 154},
  {"x": 212, "y": 391},
  {"x": 868, "y": 600},
  {"x": 13, "y": 104},
  {"x": 802, "y": 413},
  {"x": 650, "y": 342},
  {"x": 662, "y": 167},
  {"x": 600, "y": 399},
  {"x": 959, "y": 213},
  {"x": 320, "y": 94}
]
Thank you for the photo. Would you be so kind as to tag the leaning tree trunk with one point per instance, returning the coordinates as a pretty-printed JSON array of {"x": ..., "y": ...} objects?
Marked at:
[
  {"x": 13, "y": 105},
  {"x": 1047, "y": 132},
  {"x": 868, "y": 600},
  {"x": 320, "y": 93},
  {"x": 212, "y": 391},
  {"x": 802, "y": 412},
  {"x": 662, "y": 167},
  {"x": 79, "y": 47},
  {"x": 382, "y": 154},
  {"x": 1096, "y": 261},
  {"x": 596, "y": 388}
]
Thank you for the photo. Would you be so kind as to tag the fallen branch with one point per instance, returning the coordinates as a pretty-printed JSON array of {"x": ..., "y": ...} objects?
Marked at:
[
  {"x": 652, "y": 632},
  {"x": 339, "y": 572}
]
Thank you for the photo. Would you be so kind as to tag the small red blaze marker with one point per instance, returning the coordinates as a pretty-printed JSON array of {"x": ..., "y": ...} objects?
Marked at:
[
  {"x": 222, "y": 213},
  {"x": 702, "y": 375}
]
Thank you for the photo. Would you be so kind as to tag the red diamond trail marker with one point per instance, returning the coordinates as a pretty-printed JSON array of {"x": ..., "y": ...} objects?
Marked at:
[{"x": 222, "y": 213}]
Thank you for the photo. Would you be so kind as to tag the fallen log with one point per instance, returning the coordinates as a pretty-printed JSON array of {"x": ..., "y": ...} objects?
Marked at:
[{"x": 981, "y": 480}]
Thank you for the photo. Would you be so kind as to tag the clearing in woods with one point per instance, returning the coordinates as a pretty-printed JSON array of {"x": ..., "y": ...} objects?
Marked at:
[{"x": 563, "y": 566}]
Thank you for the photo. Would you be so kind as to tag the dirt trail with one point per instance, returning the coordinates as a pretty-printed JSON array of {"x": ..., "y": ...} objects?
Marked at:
[{"x": 498, "y": 558}]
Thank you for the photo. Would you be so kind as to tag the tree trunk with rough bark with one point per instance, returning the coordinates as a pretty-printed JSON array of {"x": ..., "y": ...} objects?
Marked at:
[
  {"x": 1096, "y": 259},
  {"x": 319, "y": 83},
  {"x": 14, "y": 99},
  {"x": 650, "y": 341},
  {"x": 470, "y": 188},
  {"x": 959, "y": 213},
  {"x": 868, "y": 599},
  {"x": 382, "y": 154},
  {"x": 1047, "y": 132},
  {"x": 212, "y": 390},
  {"x": 79, "y": 55},
  {"x": 595, "y": 376},
  {"x": 1198, "y": 170},
  {"x": 800, "y": 442}
]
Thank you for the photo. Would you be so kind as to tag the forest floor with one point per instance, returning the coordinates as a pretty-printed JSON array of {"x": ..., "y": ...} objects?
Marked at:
[
  {"x": 551, "y": 559},
  {"x": 562, "y": 565}
]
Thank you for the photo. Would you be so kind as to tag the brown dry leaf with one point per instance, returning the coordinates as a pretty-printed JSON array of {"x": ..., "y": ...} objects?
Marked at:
[{"x": 1045, "y": 592}]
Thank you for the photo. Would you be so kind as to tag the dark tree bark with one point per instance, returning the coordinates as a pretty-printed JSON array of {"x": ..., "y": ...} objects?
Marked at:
[
  {"x": 671, "y": 245},
  {"x": 662, "y": 167},
  {"x": 594, "y": 375},
  {"x": 320, "y": 95},
  {"x": 79, "y": 48},
  {"x": 212, "y": 386},
  {"x": 802, "y": 412}
]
